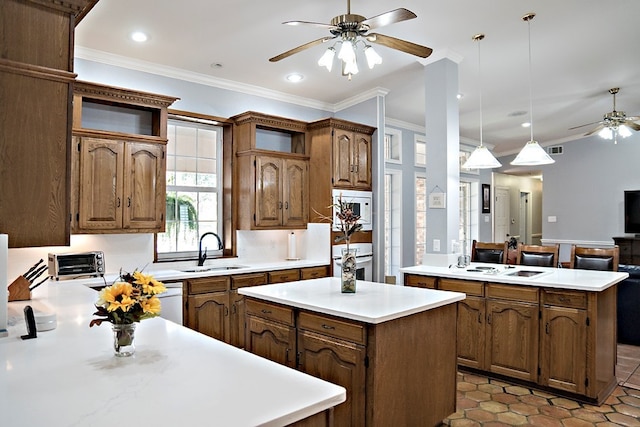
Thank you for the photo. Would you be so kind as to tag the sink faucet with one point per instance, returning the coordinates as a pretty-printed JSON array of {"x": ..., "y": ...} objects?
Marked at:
[{"x": 202, "y": 256}]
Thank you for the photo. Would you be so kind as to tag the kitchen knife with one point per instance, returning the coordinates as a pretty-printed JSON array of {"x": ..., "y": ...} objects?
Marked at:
[
  {"x": 38, "y": 284},
  {"x": 34, "y": 275},
  {"x": 32, "y": 268}
]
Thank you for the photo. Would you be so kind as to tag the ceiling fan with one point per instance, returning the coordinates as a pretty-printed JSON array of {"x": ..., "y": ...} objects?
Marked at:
[
  {"x": 613, "y": 123},
  {"x": 350, "y": 29}
]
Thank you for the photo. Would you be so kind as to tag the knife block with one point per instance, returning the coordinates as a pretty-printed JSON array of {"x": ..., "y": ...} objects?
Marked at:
[{"x": 19, "y": 290}]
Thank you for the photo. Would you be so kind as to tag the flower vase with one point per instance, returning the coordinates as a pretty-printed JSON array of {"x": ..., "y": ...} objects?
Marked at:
[
  {"x": 348, "y": 275},
  {"x": 124, "y": 339}
]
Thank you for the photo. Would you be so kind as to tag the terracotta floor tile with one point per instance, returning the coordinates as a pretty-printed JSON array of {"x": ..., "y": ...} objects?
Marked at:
[
  {"x": 565, "y": 403},
  {"x": 534, "y": 400},
  {"x": 587, "y": 415},
  {"x": 466, "y": 403},
  {"x": 465, "y": 386},
  {"x": 606, "y": 424},
  {"x": 524, "y": 409},
  {"x": 505, "y": 398},
  {"x": 495, "y": 424},
  {"x": 490, "y": 388},
  {"x": 494, "y": 407},
  {"x": 512, "y": 419},
  {"x": 544, "y": 421},
  {"x": 576, "y": 422},
  {"x": 623, "y": 420},
  {"x": 480, "y": 415},
  {"x": 478, "y": 396},
  {"x": 555, "y": 412},
  {"x": 632, "y": 411},
  {"x": 631, "y": 400},
  {"x": 517, "y": 390},
  {"x": 464, "y": 423}
]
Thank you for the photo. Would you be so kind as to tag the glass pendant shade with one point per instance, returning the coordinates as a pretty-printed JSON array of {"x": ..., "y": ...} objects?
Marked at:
[
  {"x": 372, "y": 56},
  {"x": 327, "y": 59},
  {"x": 606, "y": 133},
  {"x": 350, "y": 67},
  {"x": 347, "y": 52},
  {"x": 532, "y": 154},
  {"x": 481, "y": 158},
  {"x": 624, "y": 131}
]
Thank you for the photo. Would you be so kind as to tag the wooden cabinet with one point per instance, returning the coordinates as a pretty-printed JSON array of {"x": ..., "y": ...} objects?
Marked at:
[
  {"x": 512, "y": 330},
  {"x": 208, "y": 306},
  {"x": 118, "y": 170},
  {"x": 392, "y": 372},
  {"x": 36, "y": 87},
  {"x": 564, "y": 340},
  {"x": 629, "y": 250},
  {"x": 420, "y": 281},
  {"x": 351, "y": 160},
  {"x": 237, "y": 306},
  {"x": 314, "y": 272},
  {"x": 282, "y": 276},
  {"x": 281, "y": 192},
  {"x": 123, "y": 185}
]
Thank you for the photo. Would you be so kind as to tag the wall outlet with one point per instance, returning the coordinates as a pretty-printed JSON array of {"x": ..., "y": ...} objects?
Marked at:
[
  {"x": 552, "y": 218},
  {"x": 436, "y": 245}
]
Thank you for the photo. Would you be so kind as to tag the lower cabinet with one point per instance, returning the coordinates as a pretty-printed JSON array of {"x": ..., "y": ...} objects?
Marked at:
[
  {"x": 556, "y": 338},
  {"x": 392, "y": 372}
]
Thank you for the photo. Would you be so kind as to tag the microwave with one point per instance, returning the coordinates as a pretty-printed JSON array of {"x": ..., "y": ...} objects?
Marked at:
[
  {"x": 76, "y": 264},
  {"x": 361, "y": 203}
]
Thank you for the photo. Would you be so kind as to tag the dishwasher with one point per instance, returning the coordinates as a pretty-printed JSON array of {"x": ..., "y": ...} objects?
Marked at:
[{"x": 171, "y": 302}]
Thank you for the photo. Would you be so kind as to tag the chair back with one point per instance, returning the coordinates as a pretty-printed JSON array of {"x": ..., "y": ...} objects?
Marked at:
[
  {"x": 494, "y": 253},
  {"x": 605, "y": 259},
  {"x": 536, "y": 255}
]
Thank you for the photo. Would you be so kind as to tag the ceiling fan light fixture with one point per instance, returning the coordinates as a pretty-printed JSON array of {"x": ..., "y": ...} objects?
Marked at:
[
  {"x": 350, "y": 68},
  {"x": 347, "y": 51},
  {"x": 606, "y": 133},
  {"x": 624, "y": 131},
  {"x": 326, "y": 60},
  {"x": 372, "y": 56}
]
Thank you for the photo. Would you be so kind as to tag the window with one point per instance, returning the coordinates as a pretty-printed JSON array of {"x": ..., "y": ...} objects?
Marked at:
[
  {"x": 194, "y": 177},
  {"x": 421, "y": 217},
  {"x": 392, "y": 146},
  {"x": 392, "y": 224},
  {"x": 420, "y": 151},
  {"x": 468, "y": 228}
]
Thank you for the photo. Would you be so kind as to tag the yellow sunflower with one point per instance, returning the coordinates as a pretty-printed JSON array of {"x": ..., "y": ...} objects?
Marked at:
[
  {"x": 151, "y": 305},
  {"x": 117, "y": 296},
  {"x": 150, "y": 285}
]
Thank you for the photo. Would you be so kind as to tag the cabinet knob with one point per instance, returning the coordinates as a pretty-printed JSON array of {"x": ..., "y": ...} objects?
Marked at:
[
  {"x": 118, "y": 202},
  {"x": 286, "y": 205},
  {"x": 324, "y": 326},
  {"x": 128, "y": 202},
  {"x": 265, "y": 311},
  {"x": 280, "y": 205}
]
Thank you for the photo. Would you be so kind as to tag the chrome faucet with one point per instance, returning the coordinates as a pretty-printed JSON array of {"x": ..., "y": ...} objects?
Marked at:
[{"x": 202, "y": 256}]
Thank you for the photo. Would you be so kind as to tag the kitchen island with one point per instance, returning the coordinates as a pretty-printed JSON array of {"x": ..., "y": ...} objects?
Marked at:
[
  {"x": 69, "y": 376},
  {"x": 392, "y": 347},
  {"x": 551, "y": 328}
]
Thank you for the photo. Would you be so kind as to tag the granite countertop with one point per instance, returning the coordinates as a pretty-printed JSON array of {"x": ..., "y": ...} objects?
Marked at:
[
  {"x": 69, "y": 376},
  {"x": 372, "y": 303},
  {"x": 561, "y": 278}
]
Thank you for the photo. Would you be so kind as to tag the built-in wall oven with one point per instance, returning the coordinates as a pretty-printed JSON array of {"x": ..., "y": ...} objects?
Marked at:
[{"x": 364, "y": 260}]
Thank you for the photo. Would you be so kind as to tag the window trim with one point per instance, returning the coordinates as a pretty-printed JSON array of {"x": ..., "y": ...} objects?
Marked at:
[
  {"x": 417, "y": 138},
  {"x": 397, "y": 134}
]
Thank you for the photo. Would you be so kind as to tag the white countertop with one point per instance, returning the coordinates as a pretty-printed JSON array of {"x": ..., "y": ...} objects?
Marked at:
[
  {"x": 69, "y": 376},
  {"x": 372, "y": 302},
  {"x": 562, "y": 278}
]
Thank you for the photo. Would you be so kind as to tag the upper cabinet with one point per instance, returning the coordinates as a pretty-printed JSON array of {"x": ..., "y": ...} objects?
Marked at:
[
  {"x": 36, "y": 86},
  {"x": 272, "y": 172},
  {"x": 118, "y": 160}
]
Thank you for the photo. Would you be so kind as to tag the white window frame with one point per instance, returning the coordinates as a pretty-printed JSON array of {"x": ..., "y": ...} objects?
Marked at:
[
  {"x": 420, "y": 175},
  {"x": 419, "y": 140},
  {"x": 396, "y": 136}
]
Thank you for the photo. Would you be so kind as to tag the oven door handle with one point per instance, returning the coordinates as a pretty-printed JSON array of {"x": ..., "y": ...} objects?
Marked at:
[{"x": 365, "y": 260}]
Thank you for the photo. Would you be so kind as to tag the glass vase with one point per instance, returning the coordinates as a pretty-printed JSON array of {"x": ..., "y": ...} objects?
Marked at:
[
  {"x": 124, "y": 339},
  {"x": 348, "y": 274}
]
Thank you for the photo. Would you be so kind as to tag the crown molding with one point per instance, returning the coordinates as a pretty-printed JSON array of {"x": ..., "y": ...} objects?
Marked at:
[
  {"x": 442, "y": 54},
  {"x": 203, "y": 79},
  {"x": 364, "y": 96},
  {"x": 404, "y": 125}
]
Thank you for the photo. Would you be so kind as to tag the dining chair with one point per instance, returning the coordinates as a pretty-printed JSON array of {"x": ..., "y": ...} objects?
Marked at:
[
  {"x": 537, "y": 255},
  {"x": 494, "y": 253},
  {"x": 586, "y": 258}
]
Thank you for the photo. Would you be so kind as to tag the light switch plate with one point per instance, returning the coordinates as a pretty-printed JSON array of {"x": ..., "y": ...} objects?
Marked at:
[{"x": 436, "y": 245}]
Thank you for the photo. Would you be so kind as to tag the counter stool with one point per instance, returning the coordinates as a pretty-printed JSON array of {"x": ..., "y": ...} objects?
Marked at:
[
  {"x": 495, "y": 253},
  {"x": 536, "y": 255},
  {"x": 594, "y": 258}
]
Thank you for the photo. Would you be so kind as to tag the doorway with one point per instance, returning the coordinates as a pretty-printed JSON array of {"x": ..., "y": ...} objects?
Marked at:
[
  {"x": 525, "y": 218},
  {"x": 501, "y": 216}
]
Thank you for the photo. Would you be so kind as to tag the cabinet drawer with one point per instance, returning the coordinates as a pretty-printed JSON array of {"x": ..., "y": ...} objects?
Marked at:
[
  {"x": 314, "y": 272},
  {"x": 564, "y": 298},
  {"x": 269, "y": 311},
  {"x": 465, "y": 286},
  {"x": 420, "y": 281},
  {"x": 281, "y": 276},
  {"x": 248, "y": 280},
  {"x": 513, "y": 292},
  {"x": 208, "y": 284},
  {"x": 353, "y": 332}
]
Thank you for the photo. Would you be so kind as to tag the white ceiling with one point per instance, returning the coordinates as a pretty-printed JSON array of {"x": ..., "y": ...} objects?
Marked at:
[{"x": 579, "y": 48}]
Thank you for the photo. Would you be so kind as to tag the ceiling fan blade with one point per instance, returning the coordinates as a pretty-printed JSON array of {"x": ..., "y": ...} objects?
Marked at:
[
  {"x": 581, "y": 126},
  {"x": 597, "y": 129},
  {"x": 633, "y": 118},
  {"x": 403, "y": 45},
  {"x": 633, "y": 126},
  {"x": 314, "y": 24},
  {"x": 391, "y": 17},
  {"x": 299, "y": 49}
]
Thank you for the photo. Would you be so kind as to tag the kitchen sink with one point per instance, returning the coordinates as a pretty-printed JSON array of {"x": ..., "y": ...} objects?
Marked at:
[
  {"x": 219, "y": 268},
  {"x": 525, "y": 273}
]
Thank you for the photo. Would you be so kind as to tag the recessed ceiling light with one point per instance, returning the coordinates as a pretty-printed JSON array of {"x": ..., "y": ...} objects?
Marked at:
[
  {"x": 459, "y": 96},
  {"x": 216, "y": 65},
  {"x": 295, "y": 77},
  {"x": 526, "y": 125},
  {"x": 517, "y": 113},
  {"x": 139, "y": 36}
]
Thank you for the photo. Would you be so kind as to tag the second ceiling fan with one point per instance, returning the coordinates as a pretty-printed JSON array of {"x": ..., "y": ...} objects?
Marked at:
[{"x": 351, "y": 29}]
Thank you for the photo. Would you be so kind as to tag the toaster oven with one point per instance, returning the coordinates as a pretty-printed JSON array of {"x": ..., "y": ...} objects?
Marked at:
[{"x": 76, "y": 264}]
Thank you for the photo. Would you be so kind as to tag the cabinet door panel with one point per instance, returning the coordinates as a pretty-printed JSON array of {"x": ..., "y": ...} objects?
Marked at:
[
  {"x": 512, "y": 339},
  {"x": 295, "y": 189},
  {"x": 268, "y": 190},
  {"x": 101, "y": 180},
  {"x": 144, "y": 186},
  {"x": 237, "y": 312},
  {"x": 342, "y": 158},
  {"x": 341, "y": 363},
  {"x": 362, "y": 162},
  {"x": 471, "y": 326},
  {"x": 271, "y": 340},
  {"x": 564, "y": 348},
  {"x": 207, "y": 314}
]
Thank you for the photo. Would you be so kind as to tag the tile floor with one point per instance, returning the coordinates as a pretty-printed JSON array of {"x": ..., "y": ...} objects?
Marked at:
[{"x": 491, "y": 403}]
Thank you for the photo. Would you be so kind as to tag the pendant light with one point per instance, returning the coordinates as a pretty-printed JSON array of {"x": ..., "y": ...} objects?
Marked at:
[
  {"x": 532, "y": 154},
  {"x": 481, "y": 158}
]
